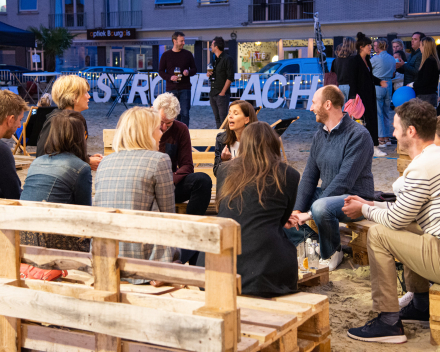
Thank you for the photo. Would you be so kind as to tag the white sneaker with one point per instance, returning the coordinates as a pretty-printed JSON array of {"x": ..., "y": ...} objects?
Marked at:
[
  {"x": 382, "y": 145},
  {"x": 334, "y": 261},
  {"x": 405, "y": 299},
  {"x": 378, "y": 152}
]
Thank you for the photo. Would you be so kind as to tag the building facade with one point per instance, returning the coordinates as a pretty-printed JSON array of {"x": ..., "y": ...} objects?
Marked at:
[{"x": 134, "y": 33}]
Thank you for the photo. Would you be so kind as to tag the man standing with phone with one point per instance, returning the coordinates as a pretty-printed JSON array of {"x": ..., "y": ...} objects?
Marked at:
[
  {"x": 221, "y": 78},
  {"x": 176, "y": 67}
]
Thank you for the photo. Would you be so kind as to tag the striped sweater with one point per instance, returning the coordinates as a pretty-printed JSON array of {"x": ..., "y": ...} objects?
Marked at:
[{"x": 419, "y": 198}]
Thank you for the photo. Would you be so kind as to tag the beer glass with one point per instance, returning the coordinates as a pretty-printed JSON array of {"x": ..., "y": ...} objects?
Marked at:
[
  {"x": 177, "y": 73},
  {"x": 210, "y": 69}
]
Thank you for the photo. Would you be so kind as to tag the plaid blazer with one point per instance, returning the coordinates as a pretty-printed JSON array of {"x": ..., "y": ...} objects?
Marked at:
[{"x": 135, "y": 180}]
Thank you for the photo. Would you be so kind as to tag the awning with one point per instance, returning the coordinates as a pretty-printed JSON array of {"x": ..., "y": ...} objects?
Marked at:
[{"x": 13, "y": 36}]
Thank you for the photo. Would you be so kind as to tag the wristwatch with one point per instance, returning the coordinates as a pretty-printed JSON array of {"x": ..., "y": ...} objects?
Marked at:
[{"x": 310, "y": 214}]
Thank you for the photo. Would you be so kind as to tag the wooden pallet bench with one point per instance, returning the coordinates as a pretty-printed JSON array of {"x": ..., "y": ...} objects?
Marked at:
[
  {"x": 402, "y": 161},
  {"x": 315, "y": 277},
  {"x": 359, "y": 240},
  {"x": 434, "y": 313},
  {"x": 23, "y": 162},
  {"x": 110, "y": 316}
]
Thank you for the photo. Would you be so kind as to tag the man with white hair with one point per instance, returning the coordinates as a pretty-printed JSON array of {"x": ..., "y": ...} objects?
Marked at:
[{"x": 176, "y": 142}]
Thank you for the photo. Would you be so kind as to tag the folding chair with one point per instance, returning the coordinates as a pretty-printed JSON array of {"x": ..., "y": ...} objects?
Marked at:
[
  {"x": 32, "y": 128},
  {"x": 280, "y": 127}
]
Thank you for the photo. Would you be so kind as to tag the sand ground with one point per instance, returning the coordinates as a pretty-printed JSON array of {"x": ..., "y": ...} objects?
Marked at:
[{"x": 349, "y": 290}]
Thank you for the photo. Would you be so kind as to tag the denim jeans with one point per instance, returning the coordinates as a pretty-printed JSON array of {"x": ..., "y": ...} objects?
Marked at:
[
  {"x": 220, "y": 108},
  {"x": 327, "y": 213},
  {"x": 345, "y": 89},
  {"x": 184, "y": 96},
  {"x": 383, "y": 102}
]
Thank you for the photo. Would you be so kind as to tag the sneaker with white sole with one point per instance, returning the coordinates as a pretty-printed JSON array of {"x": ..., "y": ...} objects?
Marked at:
[
  {"x": 334, "y": 261},
  {"x": 378, "y": 331},
  {"x": 378, "y": 152},
  {"x": 405, "y": 299},
  {"x": 411, "y": 315}
]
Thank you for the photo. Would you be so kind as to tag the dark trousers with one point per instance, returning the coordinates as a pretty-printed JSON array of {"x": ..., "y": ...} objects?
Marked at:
[
  {"x": 184, "y": 96},
  {"x": 220, "y": 107},
  {"x": 196, "y": 188}
]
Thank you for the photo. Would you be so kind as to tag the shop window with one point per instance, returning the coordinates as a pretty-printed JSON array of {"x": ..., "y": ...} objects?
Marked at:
[
  {"x": 28, "y": 5},
  {"x": 2, "y": 6}
]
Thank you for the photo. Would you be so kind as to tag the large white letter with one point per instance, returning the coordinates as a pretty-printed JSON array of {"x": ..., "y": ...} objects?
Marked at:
[
  {"x": 253, "y": 81},
  {"x": 297, "y": 91},
  {"x": 193, "y": 86},
  {"x": 141, "y": 89},
  {"x": 200, "y": 89},
  {"x": 280, "y": 100},
  {"x": 123, "y": 79},
  {"x": 236, "y": 83},
  {"x": 153, "y": 85},
  {"x": 103, "y": 87}
]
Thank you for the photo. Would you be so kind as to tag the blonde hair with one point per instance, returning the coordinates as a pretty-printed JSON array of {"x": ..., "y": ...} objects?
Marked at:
[
  {"x": 348, "y": 47},
  {"x": 11, "y": 104},
  {"x": 135, "y": 129},
  {"x": 45, "y": 101},
  {"x": 169, "y": 103},
  {"x": 429, "y": 49},
  {"x": 67, "y": 89},
  {"x": 382, "y": 43}
]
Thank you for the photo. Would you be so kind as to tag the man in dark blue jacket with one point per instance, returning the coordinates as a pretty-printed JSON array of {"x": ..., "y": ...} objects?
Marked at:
[
  {"x": 12, "y": 108},
  {"x": 340, "y": 156},
  {"x": 411, "y": 67}
]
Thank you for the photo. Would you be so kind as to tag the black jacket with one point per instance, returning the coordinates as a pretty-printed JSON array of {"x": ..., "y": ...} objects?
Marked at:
[
  {"x": 427, "y": 78},
  {"x": 341, "y": 66},
  {"x": 219, "y": 145},
  {"x": 223, "y": 70},
  {"x": 411, "y": 68}
]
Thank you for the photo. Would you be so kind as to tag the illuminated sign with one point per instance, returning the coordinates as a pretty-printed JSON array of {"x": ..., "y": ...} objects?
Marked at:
[{"x": 111, "y": 34}]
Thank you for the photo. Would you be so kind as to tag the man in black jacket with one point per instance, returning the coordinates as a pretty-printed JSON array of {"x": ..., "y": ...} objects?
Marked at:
[
  {"x": 12, "y": 108},
  {"x": 221, "y": 79},
  {"x": 411, "y": 67}
]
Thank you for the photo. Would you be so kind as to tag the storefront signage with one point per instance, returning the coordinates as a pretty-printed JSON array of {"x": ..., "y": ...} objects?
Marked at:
[
  {"x": 261, "y": 91},
  {"x": 111, "y": 34}
]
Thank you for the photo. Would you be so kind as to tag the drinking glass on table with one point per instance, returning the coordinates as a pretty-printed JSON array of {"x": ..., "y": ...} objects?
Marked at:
[
  {"x": 301, "y": 255},
  {"x": 312, "y": 255}
]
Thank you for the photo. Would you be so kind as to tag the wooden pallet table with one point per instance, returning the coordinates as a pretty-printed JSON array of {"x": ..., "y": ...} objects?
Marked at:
[
  {"x": 23, "y": 162},
  {"x": 314, "y": 277},
  {"x": 359, "y": 240},
  {"x": 434, "y": 314}
]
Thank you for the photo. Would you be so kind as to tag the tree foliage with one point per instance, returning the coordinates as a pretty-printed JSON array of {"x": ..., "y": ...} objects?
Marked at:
[{"x": 54, "y": 42}]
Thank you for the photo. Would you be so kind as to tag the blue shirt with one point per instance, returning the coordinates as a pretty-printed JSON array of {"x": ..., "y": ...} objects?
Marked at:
[
  {"x": 60, "y": 178},
  {"x": 384, "y": 66},
  {"x": 342, "y": 159}
]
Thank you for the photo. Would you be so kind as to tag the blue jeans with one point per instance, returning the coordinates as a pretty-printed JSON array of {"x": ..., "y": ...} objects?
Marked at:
[
  {"x": 383, "y": 102},
  {"x": 184, "y": 96},
  {"x": 345, "y": 89},
  {"x": 327, "y": 213}
]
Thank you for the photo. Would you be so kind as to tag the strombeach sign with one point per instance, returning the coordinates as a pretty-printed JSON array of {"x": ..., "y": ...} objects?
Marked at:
[{"x": 271, "y": 92}]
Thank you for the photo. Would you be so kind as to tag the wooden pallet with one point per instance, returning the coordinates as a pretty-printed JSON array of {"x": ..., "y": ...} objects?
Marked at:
[
  {"x": 314, "y": 277},
  {"x": 359, "y": 240},
  {"x": 434, "y": 313},
  {"x": 23, "y": 162},
  {"x": 403, "y": 161}
]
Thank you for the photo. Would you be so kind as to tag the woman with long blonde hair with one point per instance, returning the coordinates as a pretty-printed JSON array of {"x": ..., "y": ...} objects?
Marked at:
[
  {"x": 258, "y": 190},
  {"x": 137, "y": 176},
  {"x": 340, "y": 65},
  {"x": 426, "y": 83}
]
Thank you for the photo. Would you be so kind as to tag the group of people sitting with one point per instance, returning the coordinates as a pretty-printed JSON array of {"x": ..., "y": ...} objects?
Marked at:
[{"x": 152, "y": 168}]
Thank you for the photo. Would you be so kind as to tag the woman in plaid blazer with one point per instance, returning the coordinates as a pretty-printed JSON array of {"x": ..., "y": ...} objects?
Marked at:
[{"x": 136, "y": 177}]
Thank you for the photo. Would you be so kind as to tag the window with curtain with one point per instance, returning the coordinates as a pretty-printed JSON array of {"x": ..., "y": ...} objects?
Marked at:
[
  {"x": 28, "y": 5},
  {"x": 2, "y": 5},
  {"x": 423, "y": 6}
]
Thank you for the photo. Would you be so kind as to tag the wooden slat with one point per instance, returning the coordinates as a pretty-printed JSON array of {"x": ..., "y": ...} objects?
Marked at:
[
  {"x": 121, "y": 320},
  {"x": 260, "y": 333},
  {"x": 247, "y": 344},
  {"x": 279, "y": 322},
  {"x": 402, "y": 164},
  {"x": 203, "y": 137},
  {"x": 304, "y": 299},
  {"x": 9, "y": 270},
  {"x": 206, "y": 234},
  {"x": 434, "y": 302},
  {"x": 108, "y": 137},
  {"x": 203, "y": 157},
  {"x": 305, "y": 345}
]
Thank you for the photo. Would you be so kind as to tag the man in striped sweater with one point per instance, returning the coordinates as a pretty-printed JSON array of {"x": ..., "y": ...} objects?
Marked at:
[{"x": 408, "y": 230}]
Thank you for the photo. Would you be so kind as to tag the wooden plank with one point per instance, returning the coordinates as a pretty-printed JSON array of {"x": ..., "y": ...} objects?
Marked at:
[
  {"x": 121, "y": 320},
  {"x": 204, "y": 137},
  {"x": 300, "y": 310},
  {"x": 106, "y": 274},
  {"x": 279, "y": 322},
  {"x": 305, "y": 345},
  {"x": 402, "y": 164},
  {"x": 206, "y": 234},
  {"x": 47, "y": 339},
  {"x": 203, "y": 157},
  {"x": 311, "y": 300},
  {"x": 10, "y": 269},
  {"x": 434, "y": 302},
  {"x": 108, "y": 136},
  {"x": 260, "y": 333},
  {"x": 435, "y": 332},
  {"x": 313, "y": 336},
  {"x": 247, "y": 344},
  {"x": 318, "y": 324}
]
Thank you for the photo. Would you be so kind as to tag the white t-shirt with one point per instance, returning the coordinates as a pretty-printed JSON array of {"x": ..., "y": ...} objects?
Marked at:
[{"x": 234, "y": 149}]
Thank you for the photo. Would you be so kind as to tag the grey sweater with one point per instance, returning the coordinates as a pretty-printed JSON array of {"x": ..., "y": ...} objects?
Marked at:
[{"x": 342, "y": 160}]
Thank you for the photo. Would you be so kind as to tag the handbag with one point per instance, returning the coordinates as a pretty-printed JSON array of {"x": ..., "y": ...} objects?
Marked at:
[
  {"x": 31, "y": 272},
  {"x": 355, "y": 108}
]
